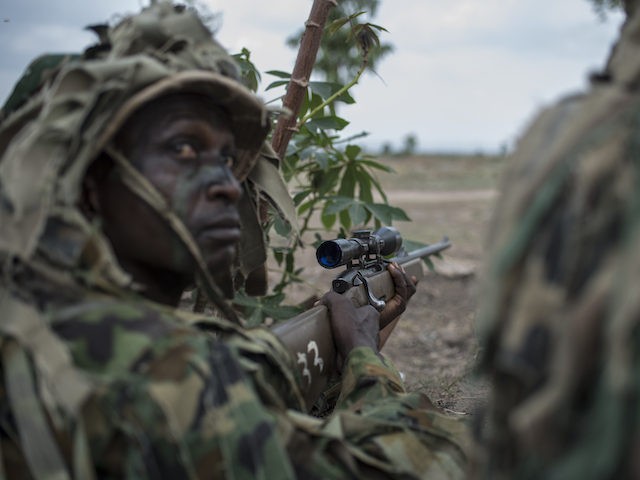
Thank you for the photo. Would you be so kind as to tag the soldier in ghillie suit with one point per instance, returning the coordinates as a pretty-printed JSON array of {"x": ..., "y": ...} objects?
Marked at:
[
  {"x": 128, "y": 173},
  {"x": 560, "y": 316}
]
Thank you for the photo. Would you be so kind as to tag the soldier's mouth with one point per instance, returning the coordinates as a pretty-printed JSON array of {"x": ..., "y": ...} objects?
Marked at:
[
  {"x": 222, "y": 232},
  {"x": 220, "y": 235}
]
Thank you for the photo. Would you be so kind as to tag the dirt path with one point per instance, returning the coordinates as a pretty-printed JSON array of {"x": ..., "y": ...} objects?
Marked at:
[
  {"x": 435, "y": 345},
  {"x": 423, "y": 196}
]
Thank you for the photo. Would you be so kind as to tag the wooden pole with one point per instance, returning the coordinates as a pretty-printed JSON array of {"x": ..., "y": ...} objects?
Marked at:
[{"x": 299, "y": 82}]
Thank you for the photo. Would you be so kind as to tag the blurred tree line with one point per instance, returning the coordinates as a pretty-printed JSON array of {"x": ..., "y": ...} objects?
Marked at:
[{"x": 602, "y": 6}]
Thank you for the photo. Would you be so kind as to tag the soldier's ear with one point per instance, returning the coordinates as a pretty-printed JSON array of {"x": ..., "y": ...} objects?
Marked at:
[{"x": 89, "y": 202}]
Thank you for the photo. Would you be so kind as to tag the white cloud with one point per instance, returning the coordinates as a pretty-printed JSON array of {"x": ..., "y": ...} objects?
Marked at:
[
  {"x": 464, "y": 74},
  {"x": 468, "y": 74}
]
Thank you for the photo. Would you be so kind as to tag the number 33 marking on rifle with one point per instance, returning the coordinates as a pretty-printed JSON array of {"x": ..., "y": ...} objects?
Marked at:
[{"x": 312, "y": 346}]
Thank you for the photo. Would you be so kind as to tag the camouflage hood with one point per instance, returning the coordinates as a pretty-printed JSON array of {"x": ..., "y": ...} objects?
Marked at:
[
  {"x": 48, "y": 139},
  {"x": 559, "y": 307},
  {"x": 624, "y": 62}
]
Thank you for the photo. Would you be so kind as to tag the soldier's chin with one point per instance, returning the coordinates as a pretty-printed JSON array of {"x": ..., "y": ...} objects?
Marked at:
[
  {"x": 224, "y": 281},
  {"x": 220, "y": 269}
]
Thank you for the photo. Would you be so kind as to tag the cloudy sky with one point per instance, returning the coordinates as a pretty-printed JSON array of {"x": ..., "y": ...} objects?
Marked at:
[{"x": 466, "y": 75}]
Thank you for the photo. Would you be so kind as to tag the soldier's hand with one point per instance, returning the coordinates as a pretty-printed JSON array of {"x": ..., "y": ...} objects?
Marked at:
[
  {"x": 405, "y": 287},
  {"x": 352, "y": 327}
]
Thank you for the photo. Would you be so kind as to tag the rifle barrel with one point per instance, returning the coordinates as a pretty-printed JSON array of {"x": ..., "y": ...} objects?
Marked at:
[{"x": 424, "y": 251}]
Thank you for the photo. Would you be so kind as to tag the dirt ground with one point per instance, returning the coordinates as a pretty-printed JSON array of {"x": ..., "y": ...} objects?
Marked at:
[{"x": 434, "y": 345}]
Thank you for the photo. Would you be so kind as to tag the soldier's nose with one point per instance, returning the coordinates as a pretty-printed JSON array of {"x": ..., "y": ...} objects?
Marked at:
[{"x": 228, "y": 188}]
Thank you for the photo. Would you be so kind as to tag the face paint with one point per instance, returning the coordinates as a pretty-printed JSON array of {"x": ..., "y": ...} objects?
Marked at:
[
  {"x": 180, "y": 148},
  {"x": 192, "y": 194}
]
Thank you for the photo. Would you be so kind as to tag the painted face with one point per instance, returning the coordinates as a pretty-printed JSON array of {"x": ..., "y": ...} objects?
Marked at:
[{"x": 183, "y": 145}]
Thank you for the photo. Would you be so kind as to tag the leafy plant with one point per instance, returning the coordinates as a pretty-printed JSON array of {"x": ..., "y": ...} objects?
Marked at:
[{"x": 330, "y": 177}]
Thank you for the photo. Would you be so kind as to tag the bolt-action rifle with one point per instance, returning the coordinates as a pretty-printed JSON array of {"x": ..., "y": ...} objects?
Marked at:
[{"x": 365, "y": 281}]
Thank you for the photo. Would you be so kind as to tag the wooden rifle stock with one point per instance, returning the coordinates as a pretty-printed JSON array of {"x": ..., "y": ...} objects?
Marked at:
[{"x": 309, "y": 338}]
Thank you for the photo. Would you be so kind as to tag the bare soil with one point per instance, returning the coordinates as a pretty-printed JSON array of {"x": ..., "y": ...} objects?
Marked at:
[{"x": 435, "y": 346}]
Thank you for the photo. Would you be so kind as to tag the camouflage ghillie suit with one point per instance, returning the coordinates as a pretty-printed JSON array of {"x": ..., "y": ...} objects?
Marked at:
[
  {"x": 560, "y": 315},
  {"x": 98, "y": 382}
]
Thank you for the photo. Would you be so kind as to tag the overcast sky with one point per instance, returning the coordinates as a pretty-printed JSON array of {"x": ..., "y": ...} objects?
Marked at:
[{"x": 466, "y": 75}]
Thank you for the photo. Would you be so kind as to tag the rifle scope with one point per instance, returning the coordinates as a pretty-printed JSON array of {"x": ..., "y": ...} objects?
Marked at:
[{"x": 364, "y": 243}]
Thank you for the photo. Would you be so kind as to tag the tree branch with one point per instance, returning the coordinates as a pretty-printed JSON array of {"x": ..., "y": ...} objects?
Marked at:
[{"x": 305, "y": 61}]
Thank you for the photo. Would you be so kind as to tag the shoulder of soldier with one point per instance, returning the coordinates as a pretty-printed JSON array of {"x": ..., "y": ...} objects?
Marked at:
[
  {"x": 169, "y": 397},
  {"x": 114, "y": 336}
]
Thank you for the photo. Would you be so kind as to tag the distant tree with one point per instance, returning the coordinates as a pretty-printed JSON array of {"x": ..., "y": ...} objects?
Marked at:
[
  {"x": 602, "y": 6},
  {"x": 339, "y": 57},
  {"x": 504, "y": 149},
  {"x": 410, "y": 144}
]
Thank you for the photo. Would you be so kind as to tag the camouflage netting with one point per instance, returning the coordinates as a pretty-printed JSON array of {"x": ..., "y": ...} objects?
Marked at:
[
  {"x": 65, "y": 111},
  {"x": 560, "y": 315}
]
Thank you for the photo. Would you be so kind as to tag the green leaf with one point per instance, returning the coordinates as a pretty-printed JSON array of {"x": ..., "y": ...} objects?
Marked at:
[
  {"x": 328, "y": 181},
  {"x": 352, "y": 151},
  {"x": 386, "y": 213},
  {"x": 299, "y": 197},
  {"x": 364, "y": 182},
  {"x": 336, "y": 25},
  {"x": 378, "y": 27},
  {"x": 327, "y": 123},
  {"x": 379, "y": 188},
  {"x": 322, "y": 159},
  {"x": 376, "y": 165},
  {"x": 282, "y": 227},
  {"x": 305, "y": 106},
  {"x": 255, "y": 319},
  {"x": 316, "y": 101},
  {"x": 411, "y": 245},
  {"x": 250, "y": 74},
  {"x": 306, "y": 206},
  {"x": 328, "y": 220},
  {"x": 345, "y": 97},
  {"x": 365, "y": 36},
  {"x": 427, "y": 261},
  {"x": 278, "y": 256},
  {"x": 324, "y": 89},
  {"x": 382, "y": 212},
  {"x": 276, "y": 84},
  {"x": 337, "y": 204},
  {"x": 345, "y": 219},
  {"x": 257, "y": 309},
  {"x": 400, "y": 214},
  {"x": 278, "y": 73},
  {"x": 357, "y": 213},
  {"x": 348, "y": 184},
  {"x": 327, "y": 89}
]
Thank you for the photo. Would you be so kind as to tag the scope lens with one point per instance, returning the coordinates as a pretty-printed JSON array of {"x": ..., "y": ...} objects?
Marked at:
[{"x": 329, "y": 254}]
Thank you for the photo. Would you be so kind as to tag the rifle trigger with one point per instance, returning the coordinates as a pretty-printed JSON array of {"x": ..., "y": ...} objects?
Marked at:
[{"x": 376, "y": 303}]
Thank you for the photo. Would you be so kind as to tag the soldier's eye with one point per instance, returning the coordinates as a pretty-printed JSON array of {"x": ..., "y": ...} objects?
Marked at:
[
  {"x": 230, "y": 159},
  {"x": 184, "y": 150}
]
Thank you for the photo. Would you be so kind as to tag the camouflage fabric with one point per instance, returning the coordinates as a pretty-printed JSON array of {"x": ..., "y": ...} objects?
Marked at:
[
  {"x": 98, "y": 382},
  {"x": 560, "y": 312},
  {"x": 169, "y": 401}
]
